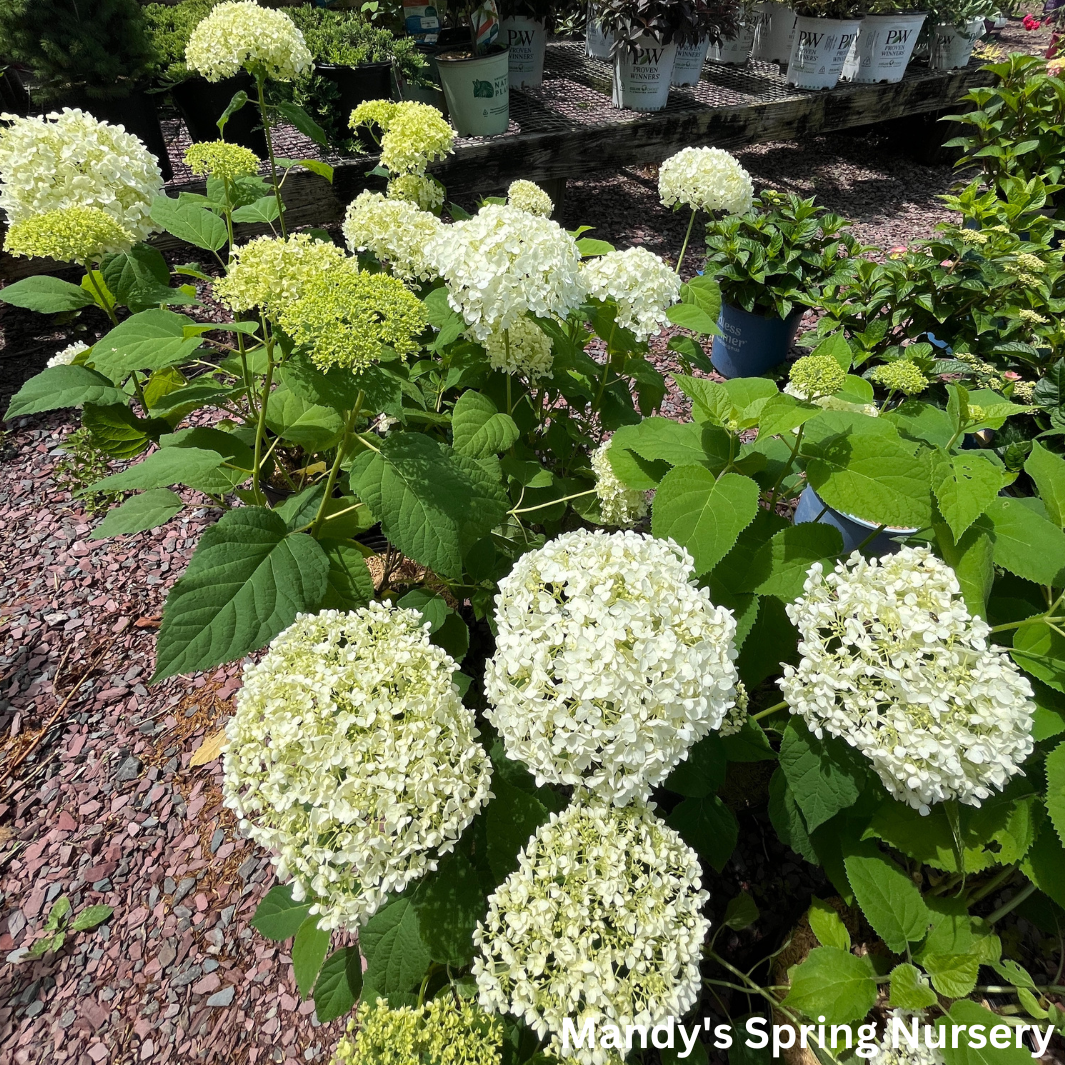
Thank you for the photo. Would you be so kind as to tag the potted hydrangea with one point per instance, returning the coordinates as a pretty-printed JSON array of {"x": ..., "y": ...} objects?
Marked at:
[
  {"x": 824, "y": 33},
  {"x": 524, "y": 32},
  {"x": 889, "y": 31},
  {"x": 956, "y": 27},
  {"x": 774, "y": 32}
]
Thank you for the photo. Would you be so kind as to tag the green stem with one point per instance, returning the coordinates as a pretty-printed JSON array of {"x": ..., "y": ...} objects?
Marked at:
[
  {"x": 552, "y": 502},
  {"x": 105, "y": 305},
  {"x": 771, "y": 710},
  {"x": 684, "y": 246},
  {"x": 787, "y": 467},
  {"x": 260, "y": 428},
  {"x": 992, "y": 885},
  {"x": 270, "y": 150},
  {"x": 871, "y": 537},
  {"x": 330, "y": 484},
  {"x": 1006, "y": 907}
]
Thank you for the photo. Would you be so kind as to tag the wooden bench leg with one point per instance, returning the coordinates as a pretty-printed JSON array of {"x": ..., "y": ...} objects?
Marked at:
[{"x": 556, "y": 189}]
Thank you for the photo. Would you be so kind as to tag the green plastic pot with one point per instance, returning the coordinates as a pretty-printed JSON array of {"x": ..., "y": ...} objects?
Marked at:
[{"x": 477, "y": 90}]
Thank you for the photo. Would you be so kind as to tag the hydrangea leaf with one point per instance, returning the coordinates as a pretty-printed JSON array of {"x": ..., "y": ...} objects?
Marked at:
[
  {"x": 952, "y": 927},
  {"x": 1048, "y": 472},
  {"x": 58, "y": 387},
  {"x": 708, "y": 826},
  {"x": 965, "y": 486},
  {"x": 972, "y": 559},
  {"x": 908, "y": 989},
  {"x": 702, "y": 772},
  {"x": 449, "y": 903},
  {"x": 833, "y": 982},
  {"x": 773, "y": 640},
  {"x": 149, "y": 340},
  {"x": 889, "y": 899},
  {"x": 1055, "y": 796},
  {"x": 337, "y": 389},
  {"x": 659, "y": 439},
  {"x": 953, "y": 975},
  {"x": 118, "y": 432},
  {"x": 186, "y": 221},
  {"x": 339, "y": 983},
  {"x": 308, "y": 425},
  {"x": 136, "y": 275},
  {"x": 263, "y": 209},
  {"x": 782, "y": 413},
  {"x": 1044, "y": 864},
  {"x": 1026, "y": 543},
  {"x": 148, "y": 510},
  {"x": 824, "y": 774},
  {"x": 780, "y": 567},
  {"x": 704, "y": 514},
  {"x": 309, "y": 949},
  {"x": 247, "y": 580},
  {"x": 788, "y": 821},
  {"x": 741, "y": 912},
  {"x": 750, "y": 744},
  {"x": 278, "y": 916},
  {"x": 969, "y": 1013},
  {"x": 512, "y": 817},
  {"x": 396, "y": 956},
  {"x": 350, "y": 583},
  {"x": 828, "y": 926},
  {"x": 46, "y": 295},
  {"x": 1040, "y": 650},
  {"x": 161, "y": 468},
  {"x": 479, "y": 429}
]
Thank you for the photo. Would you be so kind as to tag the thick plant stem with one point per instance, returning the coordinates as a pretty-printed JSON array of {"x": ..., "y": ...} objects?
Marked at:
[
  {"x": 260, "y": 428},
  {"x": 765, "y": 713},
  {"x": 270, "y": 151},
  {"x": 1007, "y": 907},
  {"x": 105, "y": 305},
  {"x": 684, "y": 246},
  {"x": 331, "y": 480}
]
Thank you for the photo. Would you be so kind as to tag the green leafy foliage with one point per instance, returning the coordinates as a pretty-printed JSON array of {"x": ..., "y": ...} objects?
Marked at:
[
  {"x": 832, "y": 982},
  {"x": 391, "y": 942},
  {"x": 823, "y": 774},
  {"x": 278, "y": 916},
  {"x": 148, "y": 510},
  {"x": 63, "y": 386},
  {"x": 45, "y": 294},
  {"x": 889, "y": 899},
  {"x": 707, "y": 825}
]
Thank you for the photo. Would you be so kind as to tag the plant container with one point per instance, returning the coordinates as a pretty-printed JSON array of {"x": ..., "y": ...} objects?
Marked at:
[
  {"x": 820, "y": 50},
  {"x": 774, "y": 33},
  {"x": 750, "y": 344},
  {"x": 688, "y": 65},
  {"x": 356, "y": 85},
  {"x": 527, "y": 40},
  {"x": 735, "y": 52},
  {"x": 885, "y": 45},
  {"x": 951, "y": 47},
  {"x": 855, "y": 531},
  {"x": 641, "y": 77},
  {"x": 477, "y": 90},
  {"x": 201, "y": 103},
  {"x": 597, "y": 44}
]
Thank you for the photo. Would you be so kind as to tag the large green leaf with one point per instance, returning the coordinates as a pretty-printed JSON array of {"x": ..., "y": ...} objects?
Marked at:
[
  {"x": 780, "y": 567},
  {"x": 512, "y": 817},
  {"x": 708, "y": 826},
  {"x": 782, "y": 413},
  {"x": 1040, "y": 650},
  {"x": 909, "y": 990},
  {"x": 339, "y": 983},
  {"x": 1044, "y": 864},
  {"x": 350, "y": 583},
  {"x": 247, "y": 580},
  {"x": 787, "y": 819},
  {"x": 186, "y": 221},
  {"x": 872, "y": 477},
  {"x": 138, "y": 278},
  {"x": 312, "y": 427},
  {"x": 953, "y": 975},
  {"x": 431, "y": 502},
  {"x": 704, "y": 514},
  {"x": 145, "y": 511},
  {"x": 278, "y": 917},
  {"x": 702, "y": 772},
  {"x": 117, "y": 431},
  {"x": 834, "y": 983},
  {"x": 449, "y": 903},
  {"x": 1055, "y": 796},
  {"x": 46, "y": 295},
  {"x": 150, "y": 340},
  {"x": 161, "y": 468},
  {"x": 1026, "y": 543},
  {"x": 973, "y": 562},
  {"x": 824, "y": 775},
  {"x": 338, "y": 388},
  {"x": 396, "y": 956},
  {"x": 828, "y": 926},
  {"x": 309, "y": 949},
  {"x": 889, "y": 899},
  {"x": 1048, "y": 472},
  {"x": 966, "y": 1013},
  {"x": 678, "y": 444},
  {"x": 965, "y": 486},
  {"x": 239, "y": 457},
  {"x": 479, "y": 429},
  {"x": 63, "y": 386}
]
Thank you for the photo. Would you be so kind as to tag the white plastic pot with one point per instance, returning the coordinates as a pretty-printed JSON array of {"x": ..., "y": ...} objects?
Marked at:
[
  {"x": 885, "y": 45},
  {"x": 527, "y": 40},
  {"x": 597, "y": 43},
  {"x": 774, "y": 33},
  {"x": 477, "y": 90},
  {"x": 952, "y": 47},
  {"x": 688, "y": 66},
  {"x": 641, "y": 76},
  {"x": 819, "y": 51},
  {"x": 737, "y": 51}
]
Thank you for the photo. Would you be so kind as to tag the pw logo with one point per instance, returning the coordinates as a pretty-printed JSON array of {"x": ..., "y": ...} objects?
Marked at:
[
  {"x": 898, "y": 36},
  {"x": 649, "y": 56},
  {"x": 520, "y": 37}
]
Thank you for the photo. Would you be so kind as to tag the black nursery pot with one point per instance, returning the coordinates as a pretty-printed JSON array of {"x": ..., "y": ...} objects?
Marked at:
[
  {"x": 201, "y": 103},
  {"x": 356, "y": 85},
  {"x": 136, "y": 112},
  {"x": 13, "y": 94}
]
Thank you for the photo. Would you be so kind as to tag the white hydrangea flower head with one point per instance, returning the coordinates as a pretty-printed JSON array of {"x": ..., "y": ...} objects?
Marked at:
[
  {"x": 352, "y": 757},
  {"x": 529, "y": 197},
  {"x": 396, "y": 231},
  {"x": 641, "y": 284},
  {"x": 610, "y": 662},
  {"x": 67, "y": 355},
  {"x": 415, "y": 135},
  {"x": 705, "y": 179},
  {"x": 618, "y": 504},
  {"x": 70, "y": 159},
  {"x": 240, "y": 35},
  {"x": 601, "y": 921},
  {"x": 503, "y": 263},
  {"x": 426, "y": 193},
  {"x": 893, "y": 663},
  {"x": 904, "y": 1054},
  {"x": 522, "y": 348}
]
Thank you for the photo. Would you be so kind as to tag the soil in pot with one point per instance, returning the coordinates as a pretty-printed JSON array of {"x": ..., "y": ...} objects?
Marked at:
[
  {"x": 477, "y": 90},
  {"x": 201, "y": 103}
]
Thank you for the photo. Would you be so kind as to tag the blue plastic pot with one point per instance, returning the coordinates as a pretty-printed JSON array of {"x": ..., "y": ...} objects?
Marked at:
[
  {"x": 855, "y": 531},
  {"x": 752, "y": 344}
]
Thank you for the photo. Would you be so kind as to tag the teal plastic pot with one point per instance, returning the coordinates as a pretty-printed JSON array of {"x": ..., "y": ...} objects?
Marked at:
[
  {"x": 751, "y": 344},
  {"x": 477, "y": 90},
  {"x": 855, "y": 531}
]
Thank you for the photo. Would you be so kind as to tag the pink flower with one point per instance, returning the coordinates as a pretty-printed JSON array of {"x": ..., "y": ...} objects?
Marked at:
[
  {"x": 1056, "y": 67},
  {"x": 897, "y": 252},
  {"x": 1030, "y": 22},
  {"x": 1011, "y": 376}
]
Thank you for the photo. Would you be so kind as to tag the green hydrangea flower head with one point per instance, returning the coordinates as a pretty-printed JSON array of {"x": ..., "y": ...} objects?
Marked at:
[
  {"x": 414, "y": 134},
  {"x": 976, "y": 413},
  {"x": 373, "y": 113},
  {"x": 69, "y": 235},
  {"x": 902, "y": 375},
  {"x": 443, "y": 1032},
  {"x": 528, "y": 196},
  {"x": 817, "y": 375},
  {"x": 221, "y": 159},
  {"x": 426, "y": 193},
  {"x": 346, "y": 315}
]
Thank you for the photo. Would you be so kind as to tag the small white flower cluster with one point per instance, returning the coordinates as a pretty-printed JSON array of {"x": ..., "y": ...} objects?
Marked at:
[
  {"x": 893, "y": 663},
  {"x": 351, "y": 755},
  {"x": 833, "y": 402},
  {"x": 601, "y": 921},
  {"x": 705, "y": 179},
  {"x": 67, "y": 355},
  {"x": 922, "y": 1054},
  {"x": 503, "y": 263},
  {"x": 522, "y": 348},
  {"x": 240, "y": 35},
  {"x": 70, "y": 159},
  {"x": 618, "y": 504},
  {"x": 610, "y": 662},
  {"x": 396, "y": 231},
  {"x": 529, "y": 197},
  {"x": 642, "y": 285}
]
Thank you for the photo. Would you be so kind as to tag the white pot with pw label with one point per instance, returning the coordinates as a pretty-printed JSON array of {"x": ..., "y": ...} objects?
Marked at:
[
  {"x": 688, "y": 66},
  {"x": 952, "y": 47},
  {"x": 527, "y": 40},
  {"x": 642, "y": 74},
  {"x": 774, "y": 33},
  {"x": 819, "y": 51},
  {"x": 736, "y": 51},
  {"x": 885, "y": 46},
  {"x": 597, "y": 43}
]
